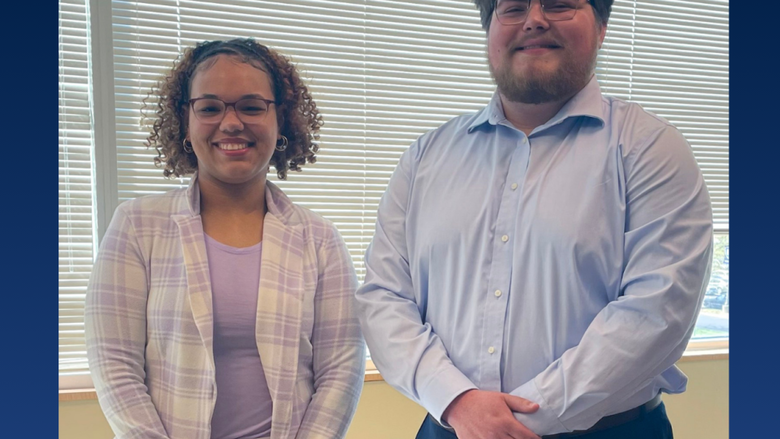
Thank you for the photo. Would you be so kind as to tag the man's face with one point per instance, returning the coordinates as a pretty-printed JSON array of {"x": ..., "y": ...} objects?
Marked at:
[{"x": 540, "y": 61}]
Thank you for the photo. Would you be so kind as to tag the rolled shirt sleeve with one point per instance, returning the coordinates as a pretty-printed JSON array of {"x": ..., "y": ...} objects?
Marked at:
[
  {"x": 668, "y": 253},
  {"x": 406, "y": 350}
]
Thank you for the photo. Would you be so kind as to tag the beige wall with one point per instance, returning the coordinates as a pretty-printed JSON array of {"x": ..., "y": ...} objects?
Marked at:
[
  {"x": 703, "y": 410},
  {"x": 383, "y": 413}
]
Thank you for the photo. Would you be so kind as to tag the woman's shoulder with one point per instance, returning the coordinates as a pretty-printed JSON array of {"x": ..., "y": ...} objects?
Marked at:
[
  {"x": 163, "y": 205},
  {"x": 312, "y": 220},
  {"x": 294, "y": 214}
]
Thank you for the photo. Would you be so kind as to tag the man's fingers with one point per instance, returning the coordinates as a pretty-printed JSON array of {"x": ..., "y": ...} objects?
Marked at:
[
  {"x": 516, "y": 430},
  {"x": 520, "y": 405}
]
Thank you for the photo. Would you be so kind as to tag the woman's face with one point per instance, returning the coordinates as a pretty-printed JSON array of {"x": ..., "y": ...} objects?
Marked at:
[{"x": 231, "y": 151}]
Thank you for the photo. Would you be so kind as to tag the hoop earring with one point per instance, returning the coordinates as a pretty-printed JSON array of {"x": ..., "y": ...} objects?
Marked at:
[
  {"x": 284, "y": 144},
  {"x": 187, "y": 146}
]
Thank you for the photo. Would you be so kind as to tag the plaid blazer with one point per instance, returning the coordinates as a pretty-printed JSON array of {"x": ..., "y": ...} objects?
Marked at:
[{"x": 149, "y": 321}]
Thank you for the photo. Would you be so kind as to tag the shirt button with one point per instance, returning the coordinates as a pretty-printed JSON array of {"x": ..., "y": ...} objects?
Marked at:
[
  {"x": 505, "y": 238},
  {"x": 498, "y": 293},
  {"x": 525, "y": 140},
  {"x": 491, "y": 350},
  {"x": 514, "y": 186}
]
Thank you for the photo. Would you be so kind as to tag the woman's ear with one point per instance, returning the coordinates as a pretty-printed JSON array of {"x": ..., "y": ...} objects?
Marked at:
[
  {"x": 185, "y": 122},
  {"x": 279, "y": 122}
]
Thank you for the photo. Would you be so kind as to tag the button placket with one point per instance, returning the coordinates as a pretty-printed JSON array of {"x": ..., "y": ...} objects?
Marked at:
[{"x": 501, "y": 269}]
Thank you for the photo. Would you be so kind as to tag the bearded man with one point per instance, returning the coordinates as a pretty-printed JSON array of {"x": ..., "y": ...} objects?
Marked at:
[{"x": 538, "y": 266}]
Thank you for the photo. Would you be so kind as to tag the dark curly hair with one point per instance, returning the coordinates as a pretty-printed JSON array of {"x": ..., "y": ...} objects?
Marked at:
[
  {"x": 602, "y": 8},
  {"x": 297, "y": 114}
]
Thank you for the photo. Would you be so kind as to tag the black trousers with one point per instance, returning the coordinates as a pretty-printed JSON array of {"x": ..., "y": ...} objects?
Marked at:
[{"x": 652, "y": 425}]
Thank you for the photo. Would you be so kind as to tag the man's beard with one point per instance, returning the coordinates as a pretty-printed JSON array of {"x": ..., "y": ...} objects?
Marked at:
[{"x": 539, "y": 87}]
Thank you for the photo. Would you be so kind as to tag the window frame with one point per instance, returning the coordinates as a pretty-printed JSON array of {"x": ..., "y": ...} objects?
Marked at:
[{"x": 106, "y": 197}]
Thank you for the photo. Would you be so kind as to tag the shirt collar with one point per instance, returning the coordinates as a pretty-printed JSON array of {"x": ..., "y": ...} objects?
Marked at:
[
  {"x": 493, "y": 113},
  {"x": 586, "y": 103}
]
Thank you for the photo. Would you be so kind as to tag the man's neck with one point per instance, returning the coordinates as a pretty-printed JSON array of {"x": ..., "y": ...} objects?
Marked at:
[{"x": 526, "y": 117}]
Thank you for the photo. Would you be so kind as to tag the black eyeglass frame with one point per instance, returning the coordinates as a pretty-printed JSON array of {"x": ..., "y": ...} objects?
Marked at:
[
  {"x": 544, "y": 14},
  {"x": 227, "y": 105}
]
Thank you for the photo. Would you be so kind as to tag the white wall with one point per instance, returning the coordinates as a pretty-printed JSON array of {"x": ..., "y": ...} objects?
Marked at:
[{"x": 383, "y": 413}]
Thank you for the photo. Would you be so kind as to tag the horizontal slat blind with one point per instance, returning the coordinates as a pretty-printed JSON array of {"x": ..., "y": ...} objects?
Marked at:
[
  {"x": 384, "y": 72},
  {"x": 75, "y": 183},
  {"x": 673, "y": 58},
  {"x": 381, "y": 72}
]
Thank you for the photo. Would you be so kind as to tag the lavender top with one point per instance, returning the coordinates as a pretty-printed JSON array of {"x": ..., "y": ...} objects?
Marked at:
[{"x": 244, "y": 405}]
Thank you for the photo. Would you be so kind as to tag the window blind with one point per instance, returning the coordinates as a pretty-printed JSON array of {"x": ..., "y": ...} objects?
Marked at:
[
  {"x": 382, "y": 73},
  {"x": 672, "y": 57},
  {"x": 76, "y": 231}
]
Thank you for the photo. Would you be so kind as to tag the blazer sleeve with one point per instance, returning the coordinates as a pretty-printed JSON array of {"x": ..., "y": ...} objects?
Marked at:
[
  {"x": 115, "y": 328},
  {"x": 339, "y": 353}
]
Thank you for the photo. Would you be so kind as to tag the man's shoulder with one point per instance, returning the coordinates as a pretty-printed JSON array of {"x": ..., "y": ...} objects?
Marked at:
[
  {"x": 458, "y": 124},
  {"x": 636, "y": 129},
  {"x": 449, "y": 132},
  {"x": 628, "y": 113}
]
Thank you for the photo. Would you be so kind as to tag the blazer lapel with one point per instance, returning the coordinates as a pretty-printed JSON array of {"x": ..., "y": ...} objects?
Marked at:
[
  {"x": 279, "y": 308},
  {"x": 198, "y": 279}
]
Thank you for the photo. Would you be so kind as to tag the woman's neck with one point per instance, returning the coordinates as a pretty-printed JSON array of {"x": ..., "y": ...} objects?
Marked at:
[
  {"x": 233, "y": 214},
  {"x": 234, "y": 198}
]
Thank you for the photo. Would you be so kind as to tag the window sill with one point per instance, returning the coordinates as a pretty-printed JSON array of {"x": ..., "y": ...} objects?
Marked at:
[
  {"x": 698, "y": 351},
  {"x": 709, "y": 350},
  {"x": 705, "y": 356}
]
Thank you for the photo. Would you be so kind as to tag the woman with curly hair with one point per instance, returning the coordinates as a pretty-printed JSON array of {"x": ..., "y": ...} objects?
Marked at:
[{"x": 224, "y": 310}]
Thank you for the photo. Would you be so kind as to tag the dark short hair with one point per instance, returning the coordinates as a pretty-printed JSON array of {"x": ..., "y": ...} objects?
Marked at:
[
  {"x": 297, "y": 114},
  {"x": 602, "y": 9}
]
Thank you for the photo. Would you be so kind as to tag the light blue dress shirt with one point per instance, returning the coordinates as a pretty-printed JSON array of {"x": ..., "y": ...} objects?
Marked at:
[{"x": 566, "y": 267}]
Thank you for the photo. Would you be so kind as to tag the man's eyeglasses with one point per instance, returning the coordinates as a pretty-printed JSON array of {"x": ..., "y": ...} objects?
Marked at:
[
  {"x": 509, "y": 12},
  {"x": 248, "y": 110}
]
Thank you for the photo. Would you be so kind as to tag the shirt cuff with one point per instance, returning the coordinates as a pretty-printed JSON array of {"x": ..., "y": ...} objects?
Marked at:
[
  {"x": 545, "y": 420},
  {"x": 442, "y": 389}
]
